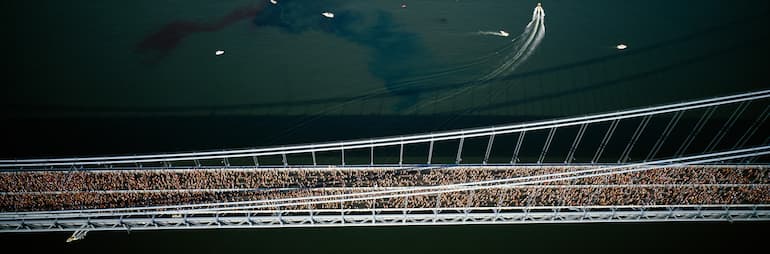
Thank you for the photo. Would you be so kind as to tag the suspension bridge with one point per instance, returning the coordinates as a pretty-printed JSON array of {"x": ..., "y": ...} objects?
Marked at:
[{"x": 703, "y": 160}]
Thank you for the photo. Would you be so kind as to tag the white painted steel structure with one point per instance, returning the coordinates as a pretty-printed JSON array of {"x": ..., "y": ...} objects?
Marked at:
[
  {"x": 278, "y": 213},
  {"x": 396, "y": 217},
  {"x": 460, "y": 135},
  {"x": 268, "y": 213}
]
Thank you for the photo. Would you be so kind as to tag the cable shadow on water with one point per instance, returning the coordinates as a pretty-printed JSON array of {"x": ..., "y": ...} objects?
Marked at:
[
  {"x": 744, "y": 45},
  {"x": 617, "y": 81},
  {"x": 400, "y": 91}
]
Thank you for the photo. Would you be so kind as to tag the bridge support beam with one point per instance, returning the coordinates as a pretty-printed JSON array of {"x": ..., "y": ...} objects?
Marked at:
[
  {"x": 399, "y": 216},
  {"x": 459, "y": 157},
  {"x": 430, "y": 152},
  {"x": 605, "y": 140},
  {"x": 638, "y": 132},
  {"x": 694, "y": 133},
  {"x": 576, "y": 143},
  {"x": 314, "y": 160},
  {"x": 728, "y": 124},
  {"x": 753, "y": 128},
  {"x": 666, "y": 132},
  {"x": 546, "y": 145},
  {"x": 516, "y": 150},
  {"x": 489, "y": 148}
]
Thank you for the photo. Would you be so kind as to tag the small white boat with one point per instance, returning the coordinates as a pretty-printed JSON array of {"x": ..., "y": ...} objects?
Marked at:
[
  {"x": 621, "y": 46},
  {"x": 219, "y": 52},
  {"x": 273, "y": 1},
  {"x": 504, "y": 33},
  {"x": 328, "y": 15}
]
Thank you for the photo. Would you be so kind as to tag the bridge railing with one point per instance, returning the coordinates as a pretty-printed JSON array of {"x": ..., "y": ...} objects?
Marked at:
[
  {"x": 395, "y": 217},
  {"x": 251, "y": 205},
  {"x": 574, "y": 134}
]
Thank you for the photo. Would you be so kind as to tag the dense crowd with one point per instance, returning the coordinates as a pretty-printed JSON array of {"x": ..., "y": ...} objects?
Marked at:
[
  {"x": 363, "y": 177},
  {"x": 52, "y": 190}
]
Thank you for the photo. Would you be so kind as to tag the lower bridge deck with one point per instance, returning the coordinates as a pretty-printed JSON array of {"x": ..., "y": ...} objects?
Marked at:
[
  {"x": 386, "y": 217},
  {"x": 192, "y": 198},
  {"x": 680, "y": 185}
]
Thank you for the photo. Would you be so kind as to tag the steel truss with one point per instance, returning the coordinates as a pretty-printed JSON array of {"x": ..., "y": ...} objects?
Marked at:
[
  {"x": 267, "y": 215},
  {"x": 226, "y": 157},
  {"x": 395, "y": 217}
]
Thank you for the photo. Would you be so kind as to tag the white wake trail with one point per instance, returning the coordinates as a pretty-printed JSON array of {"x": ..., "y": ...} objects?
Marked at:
[
  {"x": 523, "y": 47},
  {"x": 527, "y": 43},
  {"x": 500, "y": 33},
  {"x": 512, "y": 60},
  {"x": 530, "y": 48}
]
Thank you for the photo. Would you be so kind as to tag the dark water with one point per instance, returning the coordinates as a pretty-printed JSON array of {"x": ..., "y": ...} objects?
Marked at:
[
  {"x": 567, "y": 238},
  {"x": 108, "y": 77}
]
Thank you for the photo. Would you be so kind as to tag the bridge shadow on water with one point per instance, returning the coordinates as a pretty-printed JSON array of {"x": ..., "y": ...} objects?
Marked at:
[
  {"x": 743, "y": 45},
  {"x": 121, "y": 130},
  {"x": 545, "y": 238},
  {"x": 127, "y": 135},
  {"x": 427, "y": 87}
]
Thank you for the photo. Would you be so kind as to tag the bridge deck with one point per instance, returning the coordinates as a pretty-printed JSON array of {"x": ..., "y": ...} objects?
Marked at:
[
  {"x": 391, "y": 217},
  {"x": 683, "y": 185},
  {"x": 663, "y": 168}
]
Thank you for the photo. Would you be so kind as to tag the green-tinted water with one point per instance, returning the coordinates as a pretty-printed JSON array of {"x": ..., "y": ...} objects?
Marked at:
[
  {"x": 572, "y": 238},
  {"x": 106, "y": 77},
  {"x": 128, "y": 73}
]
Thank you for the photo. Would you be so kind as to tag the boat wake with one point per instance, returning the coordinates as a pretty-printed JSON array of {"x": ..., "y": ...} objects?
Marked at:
[
  {"x": 524, "y": 45},
  {"x": 515, "y": 54},
  {"x": 498, "y": 33}
]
